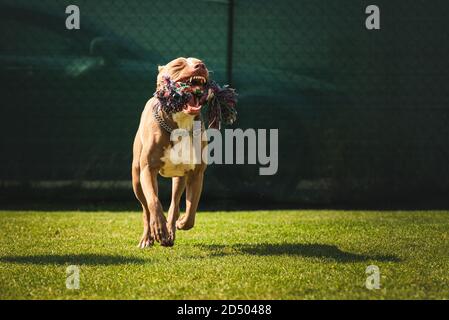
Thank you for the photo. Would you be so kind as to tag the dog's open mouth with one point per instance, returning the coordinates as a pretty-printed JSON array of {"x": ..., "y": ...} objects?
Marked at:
[
  {"x": 188, "y": 95},
  {"x": 193, "y": 106}
]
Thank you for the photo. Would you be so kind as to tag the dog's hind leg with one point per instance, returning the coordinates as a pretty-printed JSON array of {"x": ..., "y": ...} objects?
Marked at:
[
  {"x": 193, "y": 194},
  {"x": 178, "y": 187},
  {"x": 146, "y": 240}
]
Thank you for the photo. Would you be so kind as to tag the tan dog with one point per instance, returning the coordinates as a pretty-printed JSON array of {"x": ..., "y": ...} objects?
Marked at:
[{"x": 151, "y": 157}]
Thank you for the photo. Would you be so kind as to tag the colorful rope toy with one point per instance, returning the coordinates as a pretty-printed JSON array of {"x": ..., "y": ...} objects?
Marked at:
[{"x": 220, "y": 101}]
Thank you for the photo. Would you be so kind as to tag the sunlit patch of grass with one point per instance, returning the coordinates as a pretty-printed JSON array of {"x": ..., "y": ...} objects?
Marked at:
[{"x": 228, "y": 255}]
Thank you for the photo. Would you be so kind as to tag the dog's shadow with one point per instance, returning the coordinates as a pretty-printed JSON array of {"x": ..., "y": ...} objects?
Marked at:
[
  {"x": 324, "y": 251},
  {"x": 73, "y": 259}
]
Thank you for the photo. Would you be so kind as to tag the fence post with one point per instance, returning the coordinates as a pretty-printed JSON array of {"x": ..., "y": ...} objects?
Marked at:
[{"x": 230, "y": 41}]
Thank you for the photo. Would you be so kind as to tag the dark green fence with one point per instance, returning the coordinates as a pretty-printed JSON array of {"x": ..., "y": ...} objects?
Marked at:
[{"x": 362, "y": 115}]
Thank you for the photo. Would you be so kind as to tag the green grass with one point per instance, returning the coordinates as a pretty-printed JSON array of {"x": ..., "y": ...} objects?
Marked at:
[{"x": 228, "y": 255}]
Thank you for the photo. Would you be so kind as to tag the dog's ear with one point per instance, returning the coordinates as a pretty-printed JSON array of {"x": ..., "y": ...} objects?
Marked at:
[{"x": 159, "y": 68}]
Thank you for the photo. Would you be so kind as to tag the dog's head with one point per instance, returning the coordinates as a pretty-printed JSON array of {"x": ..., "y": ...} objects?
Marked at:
[{"x": 188, "y": 70}]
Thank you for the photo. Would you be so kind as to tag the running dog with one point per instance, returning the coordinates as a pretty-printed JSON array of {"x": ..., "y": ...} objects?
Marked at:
[{"x": 151, "y": 156}]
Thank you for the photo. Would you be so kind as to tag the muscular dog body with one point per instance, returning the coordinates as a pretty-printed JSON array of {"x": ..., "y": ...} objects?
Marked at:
[{"x": 151, "y": 151}]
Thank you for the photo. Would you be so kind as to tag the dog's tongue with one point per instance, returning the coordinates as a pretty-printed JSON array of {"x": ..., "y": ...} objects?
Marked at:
[{"x": 193, "y": 106}]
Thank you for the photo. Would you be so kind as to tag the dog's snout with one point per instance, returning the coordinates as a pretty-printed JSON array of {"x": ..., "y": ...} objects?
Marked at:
[{"x": 200, "y": 65}]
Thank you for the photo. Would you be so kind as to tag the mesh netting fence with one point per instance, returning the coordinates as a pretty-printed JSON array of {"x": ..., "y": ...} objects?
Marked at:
[{"x": 362, "y": 115}]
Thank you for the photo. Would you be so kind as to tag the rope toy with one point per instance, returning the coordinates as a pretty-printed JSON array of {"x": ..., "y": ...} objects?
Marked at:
[{"x": 220, "y": 101}]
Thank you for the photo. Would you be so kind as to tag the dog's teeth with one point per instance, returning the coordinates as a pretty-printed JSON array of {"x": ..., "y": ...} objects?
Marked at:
[{"x": 200, "y": 79}]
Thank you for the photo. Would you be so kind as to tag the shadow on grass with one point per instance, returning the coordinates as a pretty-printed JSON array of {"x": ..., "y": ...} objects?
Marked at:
[
  {"x": 73, "y": 259},
  {"x": 325, "y": 251}
]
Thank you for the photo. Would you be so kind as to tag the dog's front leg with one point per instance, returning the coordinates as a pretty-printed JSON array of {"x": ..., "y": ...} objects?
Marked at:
[
  {"x": 178, "y": 187},
  {"x": 193, "y": 194},
  {"x": 158, "y": 223}
]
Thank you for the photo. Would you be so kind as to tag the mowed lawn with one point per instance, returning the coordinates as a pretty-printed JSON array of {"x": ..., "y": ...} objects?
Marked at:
[{"x": 228, "y": 255}]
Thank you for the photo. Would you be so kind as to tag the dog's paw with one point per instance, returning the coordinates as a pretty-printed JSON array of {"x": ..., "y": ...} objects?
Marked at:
[
  {"x": 169, "y": 241},
  {"x": 158, "y": 227},
  {"x": 146, "y": 241},
  {"x": 171, "y": 236},
  {"x": 184, "y": 224}
]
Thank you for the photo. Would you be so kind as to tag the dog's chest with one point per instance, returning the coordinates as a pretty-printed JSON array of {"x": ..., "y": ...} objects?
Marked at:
[{"x": 180, "y": 157}]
